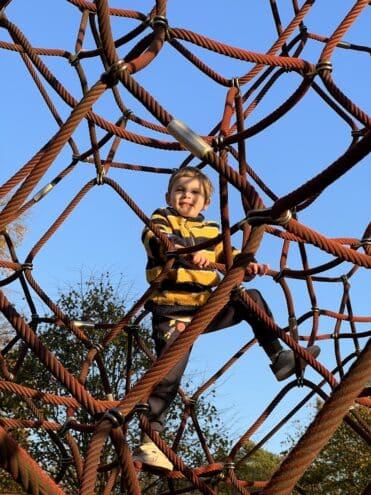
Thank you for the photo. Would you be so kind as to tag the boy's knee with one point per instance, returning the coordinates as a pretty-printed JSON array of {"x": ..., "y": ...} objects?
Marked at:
[
  {"x": 255, "y": 296},
  {"x": 258, "y": 299}
]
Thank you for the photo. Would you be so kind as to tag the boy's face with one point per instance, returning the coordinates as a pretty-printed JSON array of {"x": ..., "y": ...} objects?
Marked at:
[{"x": 187, "y": 197}]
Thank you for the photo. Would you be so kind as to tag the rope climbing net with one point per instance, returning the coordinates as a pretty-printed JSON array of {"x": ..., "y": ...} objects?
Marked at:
[{"x": 120, "y": 61}]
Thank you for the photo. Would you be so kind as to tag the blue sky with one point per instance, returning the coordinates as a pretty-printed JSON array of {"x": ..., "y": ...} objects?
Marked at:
[{"x": 102, "y": 233}]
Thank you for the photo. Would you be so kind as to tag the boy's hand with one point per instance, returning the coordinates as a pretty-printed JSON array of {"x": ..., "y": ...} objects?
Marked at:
[
  {"x": 200, "y": 259},
  {"x": 257, "y": 269}
]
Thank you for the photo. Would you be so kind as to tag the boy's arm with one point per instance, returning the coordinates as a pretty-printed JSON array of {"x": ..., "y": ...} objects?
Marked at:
[
  {"x": 151, "y": 242},
  {"x": 153, "y": 246}
]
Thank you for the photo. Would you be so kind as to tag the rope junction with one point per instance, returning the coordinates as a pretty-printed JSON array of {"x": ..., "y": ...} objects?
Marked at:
[{"x": 224, "y": 150}]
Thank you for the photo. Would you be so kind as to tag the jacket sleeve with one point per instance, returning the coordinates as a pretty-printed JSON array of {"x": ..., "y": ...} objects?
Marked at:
[{"x": 153, "y": 246}]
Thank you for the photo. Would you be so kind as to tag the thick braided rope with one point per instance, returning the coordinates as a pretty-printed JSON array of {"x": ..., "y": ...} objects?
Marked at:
[{"x": 323, "y": 427}]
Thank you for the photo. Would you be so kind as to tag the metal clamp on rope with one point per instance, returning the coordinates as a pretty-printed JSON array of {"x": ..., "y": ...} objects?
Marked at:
[
  {"x": 344, "y": 44},
  {"x": 27, "y": 266},
  {"x": 126, "y": 114},
  {"x": 66, "y": 460},
  {"x": 189, "y": 401},
  {"x": 359, "y": 132},
  {"x": 115, "y": 416},
  {"x": 366, "y": 241},
  {"x": 235, "y": 82},
  {"x": 300, "y": 380},
  {"x": 112, "y": 75},
  {"x": 159, "y": 20},
  {"x": 66, "y": 426},
  {"x": 280, "y": 274},
  {"x": 229, "y": 465},
  {"x": 293, "y": 327},
  {"x": 218, "y": 142},
  {"x": 189, "y": 139},
  {"x": 324, "y": 65},
  {"x": 98, "y": 347},
  {"x": 74, "y": 59},
  {"x": 142, "y": 408},
  {"x": 43, "y": 192},
  {"x": 86, "y": 324},
  {"x": 263, "y": 215},
  {"x": 100, "y": 177}
]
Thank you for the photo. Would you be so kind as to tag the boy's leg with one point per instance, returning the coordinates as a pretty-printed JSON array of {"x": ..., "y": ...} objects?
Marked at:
[
  {"x": 236, "y": 311},
  {"x": 283, "y": 361},
  {"x": 265, "y": 336},
  {"x": 165, "y": 331}
]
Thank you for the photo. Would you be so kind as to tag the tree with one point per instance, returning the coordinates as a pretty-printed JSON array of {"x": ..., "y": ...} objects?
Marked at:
[
  {"x": 98, "y": 302},
  {"x": 343, "y": 467},
  {"x": 9, "y": 239}
]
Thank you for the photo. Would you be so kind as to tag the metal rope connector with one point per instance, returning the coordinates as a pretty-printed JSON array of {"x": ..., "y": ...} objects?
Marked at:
[
  {"x": 85, "y": 324},
  {"x": 300, "y": 380},
  {"x": 126, "y": 114},
  {"x": 66, "y": 426},
  {"x": 74, "y": 59},
  {"x": 358, "y": 132},
  {"x": 100, "y": 177},
  {"x": 98, "y": 347},
  {"x": 112, "y": 75},
  {"x": 190, "y": 401},
  {"x": 43, "y": 192},
  {"x": 115, "y": 416},
  {"x": 142, "y": 408},
  {"x": 219, "y": 142},
  {"x": 159, "y": 20},
  {"x": 189, "y": 139},
  {"x": 263, "y": 215},
  {"x": 235, "y": 82},
  {"x": 324, "y": 65},
  {"x": 366, "y": 241}
]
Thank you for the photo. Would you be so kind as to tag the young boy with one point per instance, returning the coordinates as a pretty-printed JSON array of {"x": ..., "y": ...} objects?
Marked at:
[{"x": 187, "y": 287}]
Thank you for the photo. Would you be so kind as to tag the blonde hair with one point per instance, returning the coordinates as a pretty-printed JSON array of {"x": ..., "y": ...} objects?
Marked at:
[{"x": 195, "y": 173}]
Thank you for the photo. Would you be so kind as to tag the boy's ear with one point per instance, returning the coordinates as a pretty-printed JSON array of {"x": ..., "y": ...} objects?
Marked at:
[
  {"x": 207, "y": 203},
  {"x": 167, "y": 198}
]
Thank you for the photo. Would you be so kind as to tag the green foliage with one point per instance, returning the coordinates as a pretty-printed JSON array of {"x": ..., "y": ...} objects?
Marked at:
[
  {"x": 343, "y": 467},
  {"x": 259, "y": 466}
]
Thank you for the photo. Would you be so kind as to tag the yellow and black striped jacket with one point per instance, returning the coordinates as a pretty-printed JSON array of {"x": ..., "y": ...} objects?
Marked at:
[{"x": 185, "y": 288}]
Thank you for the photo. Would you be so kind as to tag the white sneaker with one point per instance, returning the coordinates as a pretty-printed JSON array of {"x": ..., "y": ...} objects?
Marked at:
[{"x": 149, "y": 454}]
